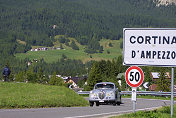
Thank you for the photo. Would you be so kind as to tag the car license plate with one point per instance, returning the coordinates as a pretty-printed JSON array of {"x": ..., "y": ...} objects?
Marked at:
[{"x": 101, "y": 101}]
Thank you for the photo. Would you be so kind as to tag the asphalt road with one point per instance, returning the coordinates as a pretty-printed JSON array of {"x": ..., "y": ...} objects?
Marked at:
[{"x": 83, "y": 112}]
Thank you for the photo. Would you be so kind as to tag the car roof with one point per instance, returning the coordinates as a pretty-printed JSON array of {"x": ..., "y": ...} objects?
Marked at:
[{"x": 105, "y": 83}]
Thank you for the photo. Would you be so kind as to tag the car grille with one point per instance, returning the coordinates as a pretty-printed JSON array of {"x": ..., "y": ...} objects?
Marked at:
[{"x": 101, "y": 94}]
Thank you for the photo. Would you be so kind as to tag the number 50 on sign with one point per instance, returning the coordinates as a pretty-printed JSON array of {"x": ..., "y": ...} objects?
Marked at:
[{"x": 134, "y": 76}]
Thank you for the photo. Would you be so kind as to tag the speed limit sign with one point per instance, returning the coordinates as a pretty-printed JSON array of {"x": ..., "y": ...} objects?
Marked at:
[{"x": 134, "y": 76}]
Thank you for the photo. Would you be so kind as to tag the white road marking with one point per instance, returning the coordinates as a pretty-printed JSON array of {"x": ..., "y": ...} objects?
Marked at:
[{"x": 110, "y": 113}]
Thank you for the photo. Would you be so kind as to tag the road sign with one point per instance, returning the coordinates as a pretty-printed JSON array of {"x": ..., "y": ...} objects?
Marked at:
[
  {"x": 145, "y": 85},
  {"x": 149, "y": 46},
  {"x": 134, "y": 76}
]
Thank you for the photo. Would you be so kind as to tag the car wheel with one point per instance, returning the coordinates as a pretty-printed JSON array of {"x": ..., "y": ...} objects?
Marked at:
[
  {"x": 114, "y": 104},
  {"x": 97, "y": 103},
  {"x": 91, "y": 104},
  {"x": 118, "y": 103}
]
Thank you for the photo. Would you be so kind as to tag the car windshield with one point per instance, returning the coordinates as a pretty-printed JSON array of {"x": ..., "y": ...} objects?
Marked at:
[{"x": 104, "y": 86}]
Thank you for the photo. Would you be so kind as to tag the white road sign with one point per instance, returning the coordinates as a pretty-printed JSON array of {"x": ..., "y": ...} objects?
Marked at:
[
  {"x": 149, "y": 46},
  {"x": 145, "y": 85}
]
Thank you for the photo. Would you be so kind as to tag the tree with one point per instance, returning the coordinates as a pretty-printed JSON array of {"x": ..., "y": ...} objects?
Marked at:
[
  {"x": 121, "y": 44},
  {"x": 123, "y": 83},
  {"x": 101, "y": 71},
  {"x": 54, "y": 80},
  {"x": 31, "y": 76},
  {"x": 101, "y": 49},
  {"x": 163, "y": 83},
  {"x": 74, "y": 46},
  {"x": 94, "y": 76},
  {"x": 64, "y": 56},
  {"x": 61, "y": 47},
  {"x": 110, "y": 44},
  {"x": 81, "y": 83},
  {"x": 20, "y": 77},
  {"x": 41, "y": 78},
  {"x": 108, "y": 52}
]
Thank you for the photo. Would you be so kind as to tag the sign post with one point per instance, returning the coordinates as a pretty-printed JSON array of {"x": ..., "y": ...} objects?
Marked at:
[
  {"x": 172, "y": 92},
  {"x": 133, "y": 98},
  {"x": 150, "y": 47},
  {"x": 134, "y": 77}
]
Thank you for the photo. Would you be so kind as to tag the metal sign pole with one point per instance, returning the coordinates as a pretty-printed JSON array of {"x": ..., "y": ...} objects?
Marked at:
[
  {"x": 172, "y": 92},
  {"x": 134, "y": 106},
  {"x": 133, "y": 98}
]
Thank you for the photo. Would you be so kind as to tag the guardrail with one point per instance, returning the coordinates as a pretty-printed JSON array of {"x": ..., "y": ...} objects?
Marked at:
[
  {"x": 154, "y": 93},
  {"x": 83, "y": 92}
]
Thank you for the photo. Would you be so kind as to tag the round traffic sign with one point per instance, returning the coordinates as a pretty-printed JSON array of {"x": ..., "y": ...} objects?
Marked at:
[{"x": 134, "y": 76}]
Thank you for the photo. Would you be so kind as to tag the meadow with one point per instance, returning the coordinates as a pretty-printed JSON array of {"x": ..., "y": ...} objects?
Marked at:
[{"x": 53, "y": 55}]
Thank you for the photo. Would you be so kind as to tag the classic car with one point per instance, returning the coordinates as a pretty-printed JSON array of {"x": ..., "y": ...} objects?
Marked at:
[{"x": 105, "y": 92}]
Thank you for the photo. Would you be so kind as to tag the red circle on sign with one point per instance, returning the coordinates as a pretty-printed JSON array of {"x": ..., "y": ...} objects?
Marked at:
[{"x": 141, "y": 73}]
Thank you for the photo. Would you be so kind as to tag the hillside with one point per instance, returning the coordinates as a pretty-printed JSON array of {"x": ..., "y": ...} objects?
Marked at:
[
  {"x": 25, "y": 23},
  {"x": 28, "y": 95},
  {"x": 51, "y": 56},
  {"x": 33, "y": 21}
]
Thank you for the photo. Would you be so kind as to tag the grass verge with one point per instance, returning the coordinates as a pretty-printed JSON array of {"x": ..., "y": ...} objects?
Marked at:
[
  {"x": 28, "y": 95},
  {"x": 163, "y": 112}
]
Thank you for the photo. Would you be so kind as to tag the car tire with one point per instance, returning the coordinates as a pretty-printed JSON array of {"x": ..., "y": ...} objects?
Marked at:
[
  {"x": 91, "y": 104},
  {"x": 118, "y": 103},
  {"x": 97, "y": 103},
  {"x": 114, "y": 103}
]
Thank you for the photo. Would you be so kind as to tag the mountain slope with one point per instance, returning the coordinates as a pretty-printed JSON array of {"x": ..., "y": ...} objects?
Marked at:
[{"x": 32, "y": 21}]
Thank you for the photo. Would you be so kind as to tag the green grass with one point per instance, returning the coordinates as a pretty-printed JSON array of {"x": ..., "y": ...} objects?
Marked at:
[
  {"x": 53, "y": 55},
  {"x": 163, "y": 112},
  {"x": 28, "y": 95}
]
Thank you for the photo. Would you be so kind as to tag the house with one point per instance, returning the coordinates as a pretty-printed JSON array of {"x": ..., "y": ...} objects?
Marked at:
[
  {"x": 75, "y": 80},
  {"x": 155, "y": 76},
  {"x": 40, "y": 49},
  {"x": 65, "y": 78}
]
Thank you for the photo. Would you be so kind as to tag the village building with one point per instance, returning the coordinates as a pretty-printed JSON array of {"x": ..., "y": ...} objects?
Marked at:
[{"x": 74, "y": 81}]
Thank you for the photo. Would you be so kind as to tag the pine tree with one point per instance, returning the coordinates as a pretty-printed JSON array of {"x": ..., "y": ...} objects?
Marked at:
[
  {"x": 163, "y": 83},
  {"x": 54, "y": 80},
  {"x": 94, "y": 76},
  {"x": 123, "y": 83},
  {"x": 20, "y": 77},
  {"x": 31, "y": 76},
  {"x": 74, "y": 46}
]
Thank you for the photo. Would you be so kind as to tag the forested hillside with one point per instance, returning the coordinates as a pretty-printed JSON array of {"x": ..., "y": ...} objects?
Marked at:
[
  {"x": 36, "y": 22},
  {"x": 32, "y": 21}
]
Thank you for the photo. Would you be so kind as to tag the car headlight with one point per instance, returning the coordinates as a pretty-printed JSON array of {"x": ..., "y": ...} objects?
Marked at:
[
  {"x": 92, "y": 94},
  {"x": 109, "y": 94}
]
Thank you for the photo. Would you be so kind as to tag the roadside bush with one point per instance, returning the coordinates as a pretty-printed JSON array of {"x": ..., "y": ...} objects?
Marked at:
[{"x": 54, "y": 80}]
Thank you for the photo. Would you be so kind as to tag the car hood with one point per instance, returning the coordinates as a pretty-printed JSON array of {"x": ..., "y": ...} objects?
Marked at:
[{"x": 100, "y": 90}]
